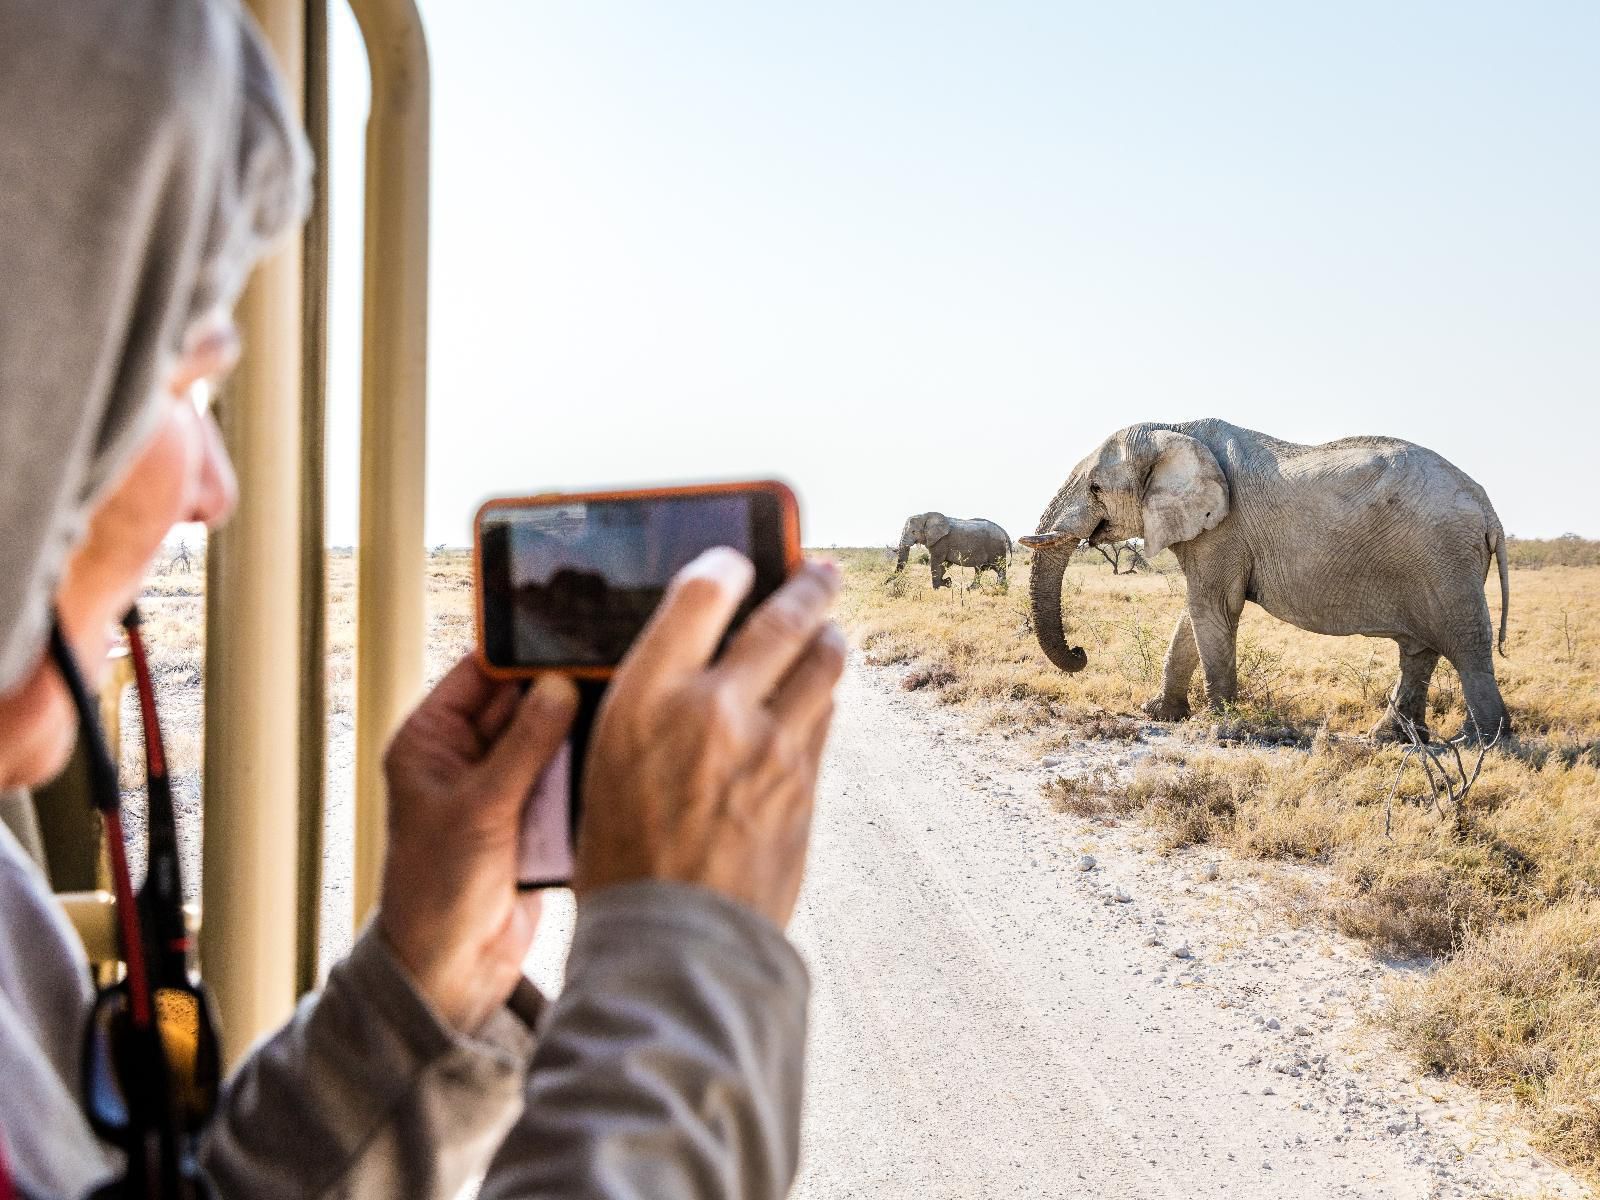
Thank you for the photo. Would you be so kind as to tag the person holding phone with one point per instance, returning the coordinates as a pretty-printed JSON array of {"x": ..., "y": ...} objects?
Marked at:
[{"x": 146, "y": 159}]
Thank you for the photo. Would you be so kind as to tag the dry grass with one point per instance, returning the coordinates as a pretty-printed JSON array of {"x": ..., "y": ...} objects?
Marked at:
[
  {"x": 1097, "y": 796},
  {"x": 981, "y": 644},
  {"x": 1516, "y": 1011},
  {"x": 1502, "y": 892},
  {"x": 1406, "y": 879}
]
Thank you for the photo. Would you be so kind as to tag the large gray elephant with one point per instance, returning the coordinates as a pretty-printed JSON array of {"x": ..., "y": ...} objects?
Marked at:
[
  {"x": 976, "y": 543},
  {"x": 1367, "y": 535}
]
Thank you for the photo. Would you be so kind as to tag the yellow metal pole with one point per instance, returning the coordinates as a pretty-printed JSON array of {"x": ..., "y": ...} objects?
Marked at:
[
  {"x": 247, "y": 944},
  {"x": 389, "y": 565},
  {"x": 313, "y": 531}
]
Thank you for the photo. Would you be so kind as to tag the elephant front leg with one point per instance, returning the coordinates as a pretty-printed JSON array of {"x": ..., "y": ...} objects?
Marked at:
[
  {"x": 938, "y": 564},
  {"x": 1216, "y": 637},
  {"x": 1182, "y": 658},
  {"x": 1409, "y": 700}
]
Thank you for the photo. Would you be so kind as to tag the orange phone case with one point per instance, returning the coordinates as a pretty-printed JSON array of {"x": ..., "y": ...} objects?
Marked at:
[{"x": 787, "y": 505}]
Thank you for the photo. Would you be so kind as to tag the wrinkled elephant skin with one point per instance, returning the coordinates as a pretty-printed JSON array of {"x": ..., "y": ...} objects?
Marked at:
[{"x": 1366, "y": 535}]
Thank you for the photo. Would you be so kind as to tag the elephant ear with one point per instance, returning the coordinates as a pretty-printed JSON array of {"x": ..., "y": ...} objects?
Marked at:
[
  {"x": 934, "y": 526},
  {"x": 1185, "y": 493}
]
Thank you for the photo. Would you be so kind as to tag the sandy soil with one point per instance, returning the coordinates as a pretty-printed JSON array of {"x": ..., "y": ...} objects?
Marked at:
[{"x": 990, "y": 1019}]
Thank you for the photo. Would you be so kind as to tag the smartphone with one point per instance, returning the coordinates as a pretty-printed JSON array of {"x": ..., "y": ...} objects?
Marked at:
[{"x": 567, "y": 581}]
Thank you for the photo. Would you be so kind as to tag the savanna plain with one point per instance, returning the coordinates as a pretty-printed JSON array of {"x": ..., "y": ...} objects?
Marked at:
[
  {"x": 1497, "y": 887},
  {"x": 1478, "y": 872}
]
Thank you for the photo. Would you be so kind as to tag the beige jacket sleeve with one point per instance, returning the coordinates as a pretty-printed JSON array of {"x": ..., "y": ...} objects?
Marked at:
[
  {"x": 671, "y": 1065},
  {"x": 365, "y": 1093}
]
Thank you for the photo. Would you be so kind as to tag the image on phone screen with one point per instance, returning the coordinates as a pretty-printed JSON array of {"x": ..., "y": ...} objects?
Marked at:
[{"x": 572, "y": 583}]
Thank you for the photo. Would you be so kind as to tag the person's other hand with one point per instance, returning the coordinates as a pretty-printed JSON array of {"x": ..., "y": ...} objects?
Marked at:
[
  {"x": 459, "y": 771},
  {"x": 705, "y": 772}
]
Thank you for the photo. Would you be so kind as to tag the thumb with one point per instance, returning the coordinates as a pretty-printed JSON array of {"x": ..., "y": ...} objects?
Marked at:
[{"x": 530, "y": 739}]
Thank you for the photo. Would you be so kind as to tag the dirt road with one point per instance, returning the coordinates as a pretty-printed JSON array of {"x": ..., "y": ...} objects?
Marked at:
[{"x": 989, "y": 1019}]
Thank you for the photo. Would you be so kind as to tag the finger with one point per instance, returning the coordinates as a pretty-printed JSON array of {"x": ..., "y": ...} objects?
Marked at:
[
  {"x": 500, "y": 707},
  {"x": 530, "y": 740},
  {"x": 529, "y": 908},
  {"x": 686, "y": 629},
  {"x": 797, "y": 815},
  {"x": 783, "y": 758},
  {"x": 464, "y": 691},
  {"x": 486, "y": 708},
  {"x": 817, "y": 742},
  {"x": 810, "y": 740},
  {"x": 808, "y": 688},
  {"x": 779, "y": 631}
]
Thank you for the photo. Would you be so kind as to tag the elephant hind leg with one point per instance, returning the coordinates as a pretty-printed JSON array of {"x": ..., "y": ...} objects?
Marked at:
[
  {"x": 1473, "y": 658},
  {"x": 1409, "y": 700},
  {"x": 1487, "y": 718}
]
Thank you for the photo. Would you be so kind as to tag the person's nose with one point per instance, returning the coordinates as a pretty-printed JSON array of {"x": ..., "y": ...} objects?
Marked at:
[{"x": 218, "y": 487}]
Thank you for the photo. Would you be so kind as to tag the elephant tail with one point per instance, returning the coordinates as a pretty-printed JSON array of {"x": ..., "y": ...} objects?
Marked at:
[{"x": 1505, "y": 583}]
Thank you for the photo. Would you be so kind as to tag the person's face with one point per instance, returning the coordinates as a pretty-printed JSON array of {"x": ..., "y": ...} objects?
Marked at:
[{"x": 182, "y": 473}]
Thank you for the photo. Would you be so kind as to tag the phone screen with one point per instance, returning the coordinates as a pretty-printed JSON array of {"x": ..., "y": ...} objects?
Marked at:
[{"x": 571, "y": 582}]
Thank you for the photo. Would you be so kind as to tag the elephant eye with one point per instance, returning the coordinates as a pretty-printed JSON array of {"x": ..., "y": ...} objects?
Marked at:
[{"x": 1094, "y": 489}]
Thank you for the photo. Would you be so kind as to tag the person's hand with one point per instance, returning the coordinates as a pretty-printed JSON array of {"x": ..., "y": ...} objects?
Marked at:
[
  {"x": 705, "y": 773},
  {"x": 459, "y": 771}
]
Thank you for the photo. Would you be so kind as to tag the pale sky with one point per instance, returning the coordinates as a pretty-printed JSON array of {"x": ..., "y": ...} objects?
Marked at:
[{"x": 922, "y": 255}]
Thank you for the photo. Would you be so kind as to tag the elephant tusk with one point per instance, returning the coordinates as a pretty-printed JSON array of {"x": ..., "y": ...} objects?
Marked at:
[{"x": 1039, "y": 541}]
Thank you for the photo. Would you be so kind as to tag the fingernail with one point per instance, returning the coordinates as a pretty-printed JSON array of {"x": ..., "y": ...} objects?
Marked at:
[{"x": 722, "y": 564}]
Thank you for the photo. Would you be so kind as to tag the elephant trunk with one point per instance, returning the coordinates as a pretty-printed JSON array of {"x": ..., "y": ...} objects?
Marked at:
[
  {"x": 1049, "y": 565},
  {"x": 909, "y": 538}
]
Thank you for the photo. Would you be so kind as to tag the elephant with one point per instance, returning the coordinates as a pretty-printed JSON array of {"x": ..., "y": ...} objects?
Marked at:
[
  {"x": 1365, "y": 535},
  {"x": 976, "y": 543}
]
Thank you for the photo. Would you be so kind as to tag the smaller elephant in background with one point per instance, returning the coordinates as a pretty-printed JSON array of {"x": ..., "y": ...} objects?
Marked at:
[{"x": 976, "y": 543}]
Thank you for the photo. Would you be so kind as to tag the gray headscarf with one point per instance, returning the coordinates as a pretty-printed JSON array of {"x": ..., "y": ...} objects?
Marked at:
[{"x": 147, "y": 158}]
